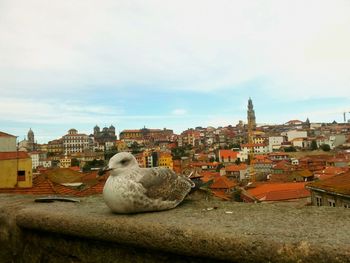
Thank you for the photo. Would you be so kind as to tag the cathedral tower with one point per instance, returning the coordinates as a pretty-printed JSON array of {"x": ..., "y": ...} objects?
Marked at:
[
  {"x": 30, "y": 140},
  {"x": 251, "y": 115}
]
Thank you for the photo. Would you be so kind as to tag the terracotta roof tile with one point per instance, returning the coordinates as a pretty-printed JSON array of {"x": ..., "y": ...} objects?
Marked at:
[
  {"x": 236, "y": 168},
  {"x": 279, "y": 191},
  {"x": 228, "y": 153},
  {"x": 222, "y": 182},
  {"x": 13, "y": 155},
  {"x": 339, "y": 183}
]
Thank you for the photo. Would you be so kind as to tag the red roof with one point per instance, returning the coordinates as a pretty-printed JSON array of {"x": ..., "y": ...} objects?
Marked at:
[
  {"x": 236, "y": 168},
  {"x": 222, "y": 182},
  {"x": 13, "y": 155},
  {"x": 207, "y": 176},
  {"x": 4, "y": 134},
  {"x": 279, "y": 191},
  {"x": 339, "y": 184},
  {"x": 228, "y": 153},
  {"x": 43, "y": 186},
  {"x": 330, "y": 171}
]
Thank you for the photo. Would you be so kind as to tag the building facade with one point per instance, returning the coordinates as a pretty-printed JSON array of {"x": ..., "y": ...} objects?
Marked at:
[
  {"x": 15, "y": 170},
  {"x": 74, "y": 142},
  {"x": 7, "y": 142}
]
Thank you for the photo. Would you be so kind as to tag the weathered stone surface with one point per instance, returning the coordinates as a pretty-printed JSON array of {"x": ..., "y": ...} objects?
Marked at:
[{"x": 251, "y": 233}]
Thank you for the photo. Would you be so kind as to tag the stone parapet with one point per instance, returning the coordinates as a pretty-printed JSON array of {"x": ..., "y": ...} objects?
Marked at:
[{"x": 196, "y": 231}]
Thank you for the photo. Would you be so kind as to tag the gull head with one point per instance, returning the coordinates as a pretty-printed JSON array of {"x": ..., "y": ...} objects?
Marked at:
[{"x": 120, "y": 160}]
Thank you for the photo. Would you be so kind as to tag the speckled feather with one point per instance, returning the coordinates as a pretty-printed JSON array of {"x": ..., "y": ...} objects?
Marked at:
[{"x": 131, "y": 189}]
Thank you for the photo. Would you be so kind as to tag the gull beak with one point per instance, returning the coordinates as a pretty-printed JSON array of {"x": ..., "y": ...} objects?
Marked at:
[{"x": 104, "y": 170}]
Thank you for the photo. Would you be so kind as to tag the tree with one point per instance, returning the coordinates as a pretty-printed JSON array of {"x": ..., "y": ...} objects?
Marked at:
[
  {"x": 325, "y": 147},
  {"x": 110, "y": 153},
  {"x": 290, "y": 149},
  {"x": 135, "y": 148},
  {"x": 218, "y": 168},
  {"x": 93, "y": 164},
  {"x": 313, "y": 145},
  {"x": 75, "y": 162},
  {"x": 238, "y": 161}
]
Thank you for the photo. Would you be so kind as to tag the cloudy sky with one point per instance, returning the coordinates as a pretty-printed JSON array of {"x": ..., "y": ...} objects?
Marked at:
[{"x": 174, "y": 64}]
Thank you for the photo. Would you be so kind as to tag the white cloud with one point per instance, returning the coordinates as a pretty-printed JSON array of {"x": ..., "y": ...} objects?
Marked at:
[
  {"x": 54, "y": 112},
  {"x": 179, "y": 112},
  {"x": 300, "y": 48}
]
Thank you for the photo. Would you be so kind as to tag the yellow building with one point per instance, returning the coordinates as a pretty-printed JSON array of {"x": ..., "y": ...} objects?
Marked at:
[
  {"x": 165, "y": 160},
  {"x": 65, "y": 162},
  {"x": 15, "y": 170},
  {"x": 121, "y": 146}
]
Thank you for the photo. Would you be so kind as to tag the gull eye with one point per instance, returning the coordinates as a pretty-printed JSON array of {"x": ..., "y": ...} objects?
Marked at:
[{"x": 124, "y": 161}]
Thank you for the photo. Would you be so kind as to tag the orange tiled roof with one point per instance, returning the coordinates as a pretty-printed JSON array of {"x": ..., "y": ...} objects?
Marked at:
[
  {"x": 332, "y": 170},
  {"x": 236, "y": 168},
  {"x": 93, "y": 190},
  {"x": 222, "y": 182},
  {"x": 279, "y": 191},
  {"x": 207, "y": 176},
  {"x": 339, "y": 184},
  {"x": 41, "y": 186},
  {"x": 228, "y": 153},
  {"x": 13, "y": 155}
]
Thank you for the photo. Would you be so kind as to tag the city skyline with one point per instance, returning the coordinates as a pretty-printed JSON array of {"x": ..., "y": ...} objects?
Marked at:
[{"x": 170, "y": 65}]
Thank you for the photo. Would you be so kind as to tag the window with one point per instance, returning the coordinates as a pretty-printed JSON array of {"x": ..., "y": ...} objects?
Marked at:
[
  {"x": 318, "y": 200},
  {"x": 346, "y": 205},
  {"x": 331, "y": 202},
  {"x": 21, "y": 175}
]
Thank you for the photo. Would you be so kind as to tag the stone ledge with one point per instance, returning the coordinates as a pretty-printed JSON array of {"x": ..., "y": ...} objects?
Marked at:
[{"x": 252, "y": 233}]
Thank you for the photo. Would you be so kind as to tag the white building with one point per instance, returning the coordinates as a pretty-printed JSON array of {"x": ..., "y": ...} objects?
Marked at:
[
  {"x": 336, "y": 140},
  {"x": 45, "y": 163},
  {"x": 75, "y": 142},
  {"x": 35, "y": 159},
  {"x": 256, "y": 148},
  {"x": 293, "y": 134},
  {"x": 275, "y": 143}
]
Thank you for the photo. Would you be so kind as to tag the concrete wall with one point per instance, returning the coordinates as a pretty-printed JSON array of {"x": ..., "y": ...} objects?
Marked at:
[{"x": 8, "y": 144}]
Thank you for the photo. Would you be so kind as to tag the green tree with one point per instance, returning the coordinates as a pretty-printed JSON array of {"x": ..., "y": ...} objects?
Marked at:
[
  {"x": 313, "y": 145},
  {"x": 325, "y": 147},
  {"x": 290, "y": 149},
  {"x": 93, "y": 164},
  {"x": 75, "y": 162},
  {"x": 238, "y": 161},
  {"x": 110, "y": 153},
  {"x": 236, "y": 195},
  {"x": 179, "y": 152},
  {"x": 135, "y": 148},
  {"x": 218, "y": 168}
]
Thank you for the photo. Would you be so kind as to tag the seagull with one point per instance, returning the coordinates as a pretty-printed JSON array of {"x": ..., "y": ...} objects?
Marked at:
[{"x": 131, "y": 189}]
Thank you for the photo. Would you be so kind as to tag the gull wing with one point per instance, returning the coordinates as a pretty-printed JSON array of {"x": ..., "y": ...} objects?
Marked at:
[{"x": 164, "y": 183}]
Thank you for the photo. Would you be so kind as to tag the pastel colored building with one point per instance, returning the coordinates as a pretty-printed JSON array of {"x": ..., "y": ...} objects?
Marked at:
[{"x": 15, "y": 169}]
